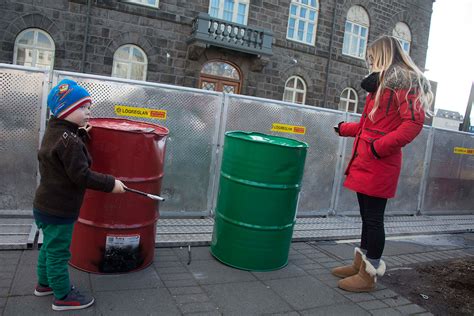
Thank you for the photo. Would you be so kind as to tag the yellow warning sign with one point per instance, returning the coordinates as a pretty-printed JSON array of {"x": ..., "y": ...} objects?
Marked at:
[
  {"x": 292, "y": 129},
  {"x": 463, "y": 151},
  {"x": 122, "y": 110}
]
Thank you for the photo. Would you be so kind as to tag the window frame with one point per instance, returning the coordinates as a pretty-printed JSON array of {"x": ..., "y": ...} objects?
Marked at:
[
  {"x": 235, "y": 10},
  {"x": 130, "y": 62},
  {"x": 401, "y": 39},
  {"x": 294, "y": 90},
  {"x": 299, "y": 5},
  {"x": 139, "y": 2},
  {"x": 33, "y": 47},
  {"x": 348, "y": 100},
  {"x": 350, "y": 35}
]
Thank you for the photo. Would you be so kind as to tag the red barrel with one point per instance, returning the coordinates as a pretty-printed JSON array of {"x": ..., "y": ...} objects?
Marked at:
[{"x": 115, "y": 233}]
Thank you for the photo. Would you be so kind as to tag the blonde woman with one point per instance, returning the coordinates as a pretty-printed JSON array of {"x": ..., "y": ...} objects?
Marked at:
[{"x": 398, "y": 97}]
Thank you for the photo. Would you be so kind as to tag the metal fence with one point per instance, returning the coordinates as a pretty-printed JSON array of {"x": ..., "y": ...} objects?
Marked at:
[{"x": 437, "y": 175}]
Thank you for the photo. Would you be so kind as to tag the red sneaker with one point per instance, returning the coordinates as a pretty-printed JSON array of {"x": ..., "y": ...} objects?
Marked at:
[{"x": 43, "y": 290}]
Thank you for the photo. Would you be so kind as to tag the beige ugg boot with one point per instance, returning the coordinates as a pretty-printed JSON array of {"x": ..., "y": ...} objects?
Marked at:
[
  {"x": 365, "y": 280},
  {"x": 350, "y": 270}
]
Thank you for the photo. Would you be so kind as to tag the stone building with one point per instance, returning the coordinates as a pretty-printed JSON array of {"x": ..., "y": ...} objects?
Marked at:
[{"x": 303, "y": 51}]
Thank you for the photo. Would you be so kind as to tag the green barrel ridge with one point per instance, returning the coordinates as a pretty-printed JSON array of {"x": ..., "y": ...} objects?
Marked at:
[{"x": 258, "y": 195}]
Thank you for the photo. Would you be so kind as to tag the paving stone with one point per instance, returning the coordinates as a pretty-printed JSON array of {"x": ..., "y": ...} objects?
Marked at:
[
  {"x": 205, "y": 308},
  {"x": 385, "y": 312},
  {"x": 191, "y": 298},
  {"x": 302, "y": 262},
  {"x": 5, "y": 282},
  {"x": 331, "y": 264},
  {"x": 301, "y": 245},
  {"x": 213, "y": 272},
  {"x": 176, "y": 276},
  {"x": 311, "y": 266},
  {"x": 7, "y": 254},
  {"x": 339, "y": 309},
  {"x": 342, "y": 251},
  {"x": 167, "y": 264},
  {"x": 283, "y": 314},
  {"x": 360, "y": 297},
  {"x": 7, "y": 275},
  {"x": 29, "y": 258},
  {"x": 197, "y": 253},
  {"x": 381, "y": 294},
  {"x": 316, "y": 272},
  {"x": 136, "y": 302},
  {"x": 180, "y": 283},
  {"x": 410, "y": 309},
  {"x": 247, "y": 298},
  {"x": 396, "y": 301},
  {"x": 24, "y": 281},
  {"x": 372, "y": 304},
  {"x": 4, "y": 291},
  {"x": 291, "y": 270},
  {"x": 3, "y": 302},
  {"x": 143, "y": 279},
  {"x": 305, "y": 292},
  {"x": 208, "y": 313},
  {"x": 171, "y": 270},
  {"x": 185, "y": 290}
]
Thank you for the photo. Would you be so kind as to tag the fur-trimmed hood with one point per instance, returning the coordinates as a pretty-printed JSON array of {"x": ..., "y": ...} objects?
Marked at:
[{"x": 398, "y": 77}]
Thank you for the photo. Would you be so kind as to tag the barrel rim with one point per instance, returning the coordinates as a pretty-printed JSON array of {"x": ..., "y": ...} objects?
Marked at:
[
  {"x": 158, "y": 129},
  {"x": 234, "y": 134}
]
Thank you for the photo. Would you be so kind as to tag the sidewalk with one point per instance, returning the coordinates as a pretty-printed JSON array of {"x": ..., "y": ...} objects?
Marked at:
[{"x": 206, "y": 287}]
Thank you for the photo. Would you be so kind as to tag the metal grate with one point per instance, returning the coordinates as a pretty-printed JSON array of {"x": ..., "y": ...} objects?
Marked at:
[
  {"x": 259, "y": 115},
  {"x": 20, "y": 111},
  {"x": 192, "y": 119}
]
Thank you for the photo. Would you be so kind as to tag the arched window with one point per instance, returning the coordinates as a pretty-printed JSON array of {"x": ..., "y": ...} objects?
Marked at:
[
  {"x": 356, "y": 32},
  {"x": 231, "y": 10},
  {"x": 35, "y": 48},
  {"x": 220, "y": 76},
  {"x": 295, "y": 90},
  {"x": 302, "y": 21},
  {"x": 348, "y": 100},
  {"x": 130, "y": 62},
  {"x": 403, "y": 34}
]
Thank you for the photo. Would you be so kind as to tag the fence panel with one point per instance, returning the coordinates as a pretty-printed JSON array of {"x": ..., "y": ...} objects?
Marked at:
[
  {"x": 450, "y": 184},
  {"x": 253, "y": 114},
  {"x": 21, "y": 97},
  {"x": 192, "y": 117}
]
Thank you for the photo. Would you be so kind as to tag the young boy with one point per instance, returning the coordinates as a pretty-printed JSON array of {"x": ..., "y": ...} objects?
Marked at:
[{"x": 64, "y": 165}]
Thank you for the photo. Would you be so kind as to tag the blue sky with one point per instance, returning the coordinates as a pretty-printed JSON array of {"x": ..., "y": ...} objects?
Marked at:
[{"x": 450, "y": 59}]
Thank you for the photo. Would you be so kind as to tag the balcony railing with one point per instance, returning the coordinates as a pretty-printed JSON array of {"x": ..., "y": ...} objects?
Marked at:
[{"x": 222, "y": 33}]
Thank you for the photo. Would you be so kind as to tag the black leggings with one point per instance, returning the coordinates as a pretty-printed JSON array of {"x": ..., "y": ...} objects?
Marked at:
[{"x": 372, "y": 211}]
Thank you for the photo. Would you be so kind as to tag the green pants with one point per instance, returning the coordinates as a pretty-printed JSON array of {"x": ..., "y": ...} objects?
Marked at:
[{"x": 53, "y": 257}]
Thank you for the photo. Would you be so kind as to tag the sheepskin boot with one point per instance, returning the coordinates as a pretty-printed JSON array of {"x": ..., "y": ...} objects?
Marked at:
[
  {"x": 350, "y": 270},
  {"x": 365, "y": 280}
]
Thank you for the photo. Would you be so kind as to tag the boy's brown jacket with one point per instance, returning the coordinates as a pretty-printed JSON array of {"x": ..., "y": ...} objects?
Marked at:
[{"x": 64, "y": 165}]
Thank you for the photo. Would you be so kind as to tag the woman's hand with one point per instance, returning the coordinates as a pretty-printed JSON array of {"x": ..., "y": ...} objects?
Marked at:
[{"x": 119, "y": 187}]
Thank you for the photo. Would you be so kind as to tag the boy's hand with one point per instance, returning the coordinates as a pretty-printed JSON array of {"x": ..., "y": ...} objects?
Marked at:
[
  {"x": 119, "y": 187},
  {"x": 88, "y": 127}
]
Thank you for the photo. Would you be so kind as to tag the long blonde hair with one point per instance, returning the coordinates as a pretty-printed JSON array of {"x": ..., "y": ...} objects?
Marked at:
[{"x": 385, "y": 53}]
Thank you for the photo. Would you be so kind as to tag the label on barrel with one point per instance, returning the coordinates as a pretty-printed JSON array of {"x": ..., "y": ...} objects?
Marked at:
[
  {"x": 122, "y": 241},
  {"x": 463, "y": 151},
  {"x": 122, "y": 110},
  {"x": 284, "y": 128}
]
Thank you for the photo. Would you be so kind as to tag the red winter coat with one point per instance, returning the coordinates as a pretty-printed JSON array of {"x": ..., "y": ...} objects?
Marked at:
[{"x": 376, "y": 160}]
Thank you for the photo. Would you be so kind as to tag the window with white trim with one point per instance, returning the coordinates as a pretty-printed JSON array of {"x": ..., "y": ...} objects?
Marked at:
[
  {"x": 130, "y": 62},
  {"x": 403, "y": 34},
  {"x": 295, "y": 90},
  {"x": 302, "y": 21},
  {"x": 348, "y": 100},
  {"x": 231, "y": 10},
  {"x": 356, "y": 32},
  {"x": 148, "y": 3},
  {"x": 34, "y": 48}
]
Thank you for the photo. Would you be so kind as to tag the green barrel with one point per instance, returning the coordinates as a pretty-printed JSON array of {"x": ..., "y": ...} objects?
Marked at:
[{"x": 256, "y": 204}]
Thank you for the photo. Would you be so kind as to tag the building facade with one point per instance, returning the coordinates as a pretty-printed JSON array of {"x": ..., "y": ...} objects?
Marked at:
[{"x": 304, "y": 51}]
